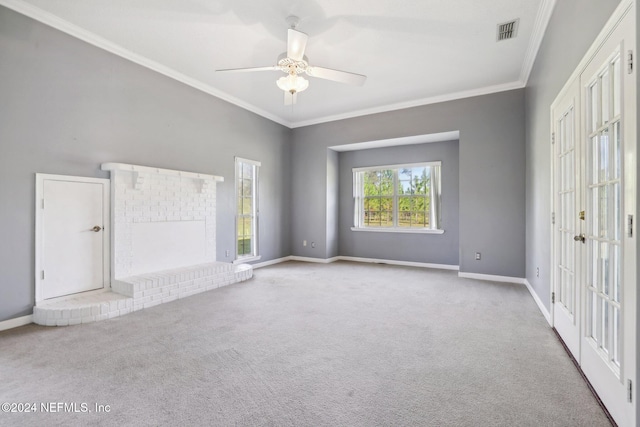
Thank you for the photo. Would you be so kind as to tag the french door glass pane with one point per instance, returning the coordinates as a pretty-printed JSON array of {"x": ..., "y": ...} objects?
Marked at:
[
  {"x": 617, "y": 163},
  {"x": 593, "y": 97},
  {"x": 615, "y": 77},
  {"x": 604, "y": 156},
  {"x": 605, "y": 97}
]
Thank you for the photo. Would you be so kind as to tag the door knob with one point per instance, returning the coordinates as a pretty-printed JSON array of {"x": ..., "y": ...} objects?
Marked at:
[
  {"x": 580, "y": 238},
  {"x": 96, "y": 228}
]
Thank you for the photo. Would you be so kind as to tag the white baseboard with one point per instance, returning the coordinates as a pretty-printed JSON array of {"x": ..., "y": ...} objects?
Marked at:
[
  {"x": 538, "y": 301},
  {"x": 271, "y": 262},
  {"x": 14, "y": 323},
  {"x": 402, "y": 263},
  {"x": 492, "y": 278},
  {"x": 316, "y": 260}
]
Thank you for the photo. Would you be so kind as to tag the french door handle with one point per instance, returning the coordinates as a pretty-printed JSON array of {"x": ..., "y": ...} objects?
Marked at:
[
  {"x": 96, "y": 228},
  {"x": 580, "y": 238}
]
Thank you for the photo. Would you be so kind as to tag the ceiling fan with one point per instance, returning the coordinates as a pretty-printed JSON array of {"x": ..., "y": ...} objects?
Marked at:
[{"x": 294, "y": 63}]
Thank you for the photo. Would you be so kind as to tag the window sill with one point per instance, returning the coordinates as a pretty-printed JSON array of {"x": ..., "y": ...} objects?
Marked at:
[
  {"x": 398, "y": 230},
  {"x": 247, "y": 259}
]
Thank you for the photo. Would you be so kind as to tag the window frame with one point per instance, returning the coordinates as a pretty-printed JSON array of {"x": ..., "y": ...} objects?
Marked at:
[
  {"x": 358, "y": 196},
  {"x": 255, "y": 211}
]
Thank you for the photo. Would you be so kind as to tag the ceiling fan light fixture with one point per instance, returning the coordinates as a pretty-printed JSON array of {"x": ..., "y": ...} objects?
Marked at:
[{"x": 292, "y": 83}]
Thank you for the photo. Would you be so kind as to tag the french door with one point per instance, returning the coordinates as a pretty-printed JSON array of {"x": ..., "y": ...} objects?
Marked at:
[{"x": 594, "y": 189}]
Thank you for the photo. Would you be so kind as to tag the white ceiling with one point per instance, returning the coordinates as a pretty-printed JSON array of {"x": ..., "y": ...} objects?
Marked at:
[{"x": 414, "y": 52}]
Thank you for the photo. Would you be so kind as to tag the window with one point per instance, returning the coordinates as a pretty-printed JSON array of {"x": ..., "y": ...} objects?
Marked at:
[
  {"x": 399, "y": 198},
  {"x": 247, "y": 209}
]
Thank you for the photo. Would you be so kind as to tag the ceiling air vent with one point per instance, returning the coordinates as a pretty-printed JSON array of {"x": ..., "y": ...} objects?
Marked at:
[{"x": 508, "y": 30}]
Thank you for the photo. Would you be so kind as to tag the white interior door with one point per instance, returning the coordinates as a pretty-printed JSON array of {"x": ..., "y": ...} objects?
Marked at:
[
  {"x": 72, "y": 250},
  {"x": 608, "y": 345},
  {"x": 567, "y": 199}
]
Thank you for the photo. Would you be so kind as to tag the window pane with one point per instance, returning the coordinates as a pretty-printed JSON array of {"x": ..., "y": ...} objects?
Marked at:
[
  {"x": 605, "y": 97},
  {"x": 420, "y": 180},
  {"x": 404, "y": 219},
  {"x": 372, "y": 204},
  {"x": 247, "y": 206},
  {"x": 386, "y": 183},
  {"x": 404, "y": 204},
  {"x": 604, "y": 155},
  {"x": 404, "y": 187},
  {"x": 247, "y": 170},
  {"x": 616, "y": 87},
  {"x": 371, "y": 183},
  {"x": 247, "y": 187},
  {"x": 386, "y": 219},
  {"x": 394, "y": 197},
  {"x": 593, "y": 98},
  {"x": 418, "y": 219},
  {"x": 418, "y": 204}
]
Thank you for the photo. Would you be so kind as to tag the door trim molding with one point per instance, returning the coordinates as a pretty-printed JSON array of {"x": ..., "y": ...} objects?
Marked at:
[{"x": 106, "y": 207}]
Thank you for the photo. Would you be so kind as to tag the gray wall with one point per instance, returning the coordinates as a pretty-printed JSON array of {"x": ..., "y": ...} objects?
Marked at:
[
  {"x": 491, "y": 180},
  {"x": 565, "y": 43},
  {"x": 429, "y": 248},
  {"x": 67, "y": 106}
]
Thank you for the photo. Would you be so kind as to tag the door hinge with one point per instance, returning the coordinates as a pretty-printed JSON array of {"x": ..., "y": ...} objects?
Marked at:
[
  {"x": 630, "y": 62},
  {"x": 553, "y": 297},
  {"x": 630, "y": 391},
  {"x": 553, "y": 217},
  {"x": 553, "y": 138},
  {"x": 629, "y": 225},
  {"x": 42, "y": 274}
]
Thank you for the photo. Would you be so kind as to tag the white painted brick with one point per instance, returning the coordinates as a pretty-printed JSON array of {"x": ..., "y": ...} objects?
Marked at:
[
  {"x": 75, "y": 313},
  {"x": 113, "y": 306},
  {"x": 62, "y": 322},
  {"x": 122, "y": 304},
  {"x": 104, "y": 309},
  {"x": 95, "y": 310},
  {"x": 75, "y": 321},
  {"x": 101, "y": 317},
  {"x": 154, "y": 291},
  {"x": 66, "y": 314},
  {"x": 88, "y": 319},
  {"x": 152, "y": 303}
]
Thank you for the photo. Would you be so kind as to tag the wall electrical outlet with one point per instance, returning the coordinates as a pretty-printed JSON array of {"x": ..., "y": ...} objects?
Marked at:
[
  {"x": 226, "y": 253},
  {"x": 477, "y": 256},
  {"x": 304, "y": 243}
]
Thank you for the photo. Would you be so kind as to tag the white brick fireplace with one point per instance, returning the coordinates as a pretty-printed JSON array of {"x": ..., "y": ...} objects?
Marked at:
[
  {"x": 162, "y": 219},
  {"x": 163, "y": 240}
]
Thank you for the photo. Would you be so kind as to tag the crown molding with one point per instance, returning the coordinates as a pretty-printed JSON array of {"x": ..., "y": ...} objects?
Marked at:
[
  {"x": 73, "y": 30},
  {"x": 539, "y": 29},
  {"x": 67, "y": 27},
  {"x": 415, "y": 103}
]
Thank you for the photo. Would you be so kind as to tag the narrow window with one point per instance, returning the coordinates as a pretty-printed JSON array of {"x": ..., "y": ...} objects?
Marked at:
[
  {"x": 246, "y": 209},
  {"x": 400, "y": 198}
]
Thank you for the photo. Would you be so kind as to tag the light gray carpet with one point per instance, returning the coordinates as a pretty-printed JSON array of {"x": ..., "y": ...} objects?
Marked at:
[{"x": 343, "y": 344}]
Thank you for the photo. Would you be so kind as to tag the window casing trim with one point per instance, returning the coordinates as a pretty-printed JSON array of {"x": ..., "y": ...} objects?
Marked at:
[
  {"x": 253, "y": 256},
  {"x": 435, "y": 195}
]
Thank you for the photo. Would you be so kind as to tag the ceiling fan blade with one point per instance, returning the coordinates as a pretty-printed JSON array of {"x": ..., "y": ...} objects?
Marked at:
[
  {"x": 245, "y": 70},
  {"x": 296, "y": 44},
  {"x": 290, "y": 98},
  {"x": 337, "y": 76}
]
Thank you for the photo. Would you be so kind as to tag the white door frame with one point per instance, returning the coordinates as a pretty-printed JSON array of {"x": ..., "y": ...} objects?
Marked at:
[{"x": 106, "y": 206}]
